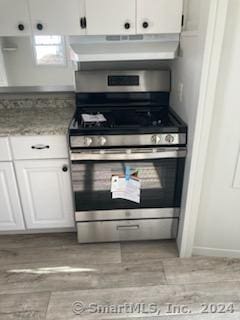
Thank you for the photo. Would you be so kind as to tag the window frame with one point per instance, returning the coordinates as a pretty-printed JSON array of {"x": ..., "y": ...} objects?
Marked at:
[{"x": 64, "y": 50}]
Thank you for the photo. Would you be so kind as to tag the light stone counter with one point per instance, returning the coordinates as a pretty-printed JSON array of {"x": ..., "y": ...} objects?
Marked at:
[{"x": 36, "y": 114}]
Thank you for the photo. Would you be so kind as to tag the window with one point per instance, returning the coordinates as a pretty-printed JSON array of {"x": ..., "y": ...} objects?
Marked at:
[{"x": 49, "y": 50}]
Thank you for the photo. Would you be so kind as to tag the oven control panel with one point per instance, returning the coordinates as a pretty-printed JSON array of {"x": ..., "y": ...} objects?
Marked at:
[
  {"x": 95, "y": 141},
  {"x": 128, "y": 140},
  {"x": 165, "y": 139}
]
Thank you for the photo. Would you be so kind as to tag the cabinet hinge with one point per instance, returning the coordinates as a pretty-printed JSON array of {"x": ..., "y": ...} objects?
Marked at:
[
  {"x": 83, "y": 23},
  {"x": 182, "y": 20}
]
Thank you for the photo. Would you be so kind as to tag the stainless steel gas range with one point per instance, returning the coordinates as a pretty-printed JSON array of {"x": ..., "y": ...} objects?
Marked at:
[{"x": 123, "y": 123}]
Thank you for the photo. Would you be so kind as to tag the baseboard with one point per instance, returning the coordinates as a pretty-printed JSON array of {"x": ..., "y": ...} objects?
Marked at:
[{"x": 215, "y": 252}]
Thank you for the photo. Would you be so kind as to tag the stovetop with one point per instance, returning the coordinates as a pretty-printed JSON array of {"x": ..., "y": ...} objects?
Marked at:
[
  {"x": 122, "y": 110},
  {"x": 123, "y": 121}
]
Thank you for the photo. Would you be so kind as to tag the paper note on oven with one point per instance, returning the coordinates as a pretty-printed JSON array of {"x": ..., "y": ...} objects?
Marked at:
[
  {"x": 93, "y": 117},
  {"x": 122, "y": 188}
]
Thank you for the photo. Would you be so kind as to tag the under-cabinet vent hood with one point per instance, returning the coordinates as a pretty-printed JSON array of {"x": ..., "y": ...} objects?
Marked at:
[{"x": 124, "y": 48}]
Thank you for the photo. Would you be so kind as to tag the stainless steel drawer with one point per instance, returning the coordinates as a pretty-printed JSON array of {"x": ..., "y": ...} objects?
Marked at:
[{"x": 107, "y": 231}]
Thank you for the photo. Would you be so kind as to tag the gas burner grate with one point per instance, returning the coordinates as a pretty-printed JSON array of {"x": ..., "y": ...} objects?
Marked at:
[{"x": 125, "y": 119}]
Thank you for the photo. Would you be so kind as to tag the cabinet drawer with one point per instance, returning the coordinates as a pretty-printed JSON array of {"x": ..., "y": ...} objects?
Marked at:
[
  {"x": 39, "y": 147},
  {"x": 149, "y": 229},
  {"x": 5, "y": 152}
]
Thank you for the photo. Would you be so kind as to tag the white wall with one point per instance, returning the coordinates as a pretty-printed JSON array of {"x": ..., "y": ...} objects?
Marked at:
[
  {"x": 186, "y": 71},
  {"x": 218, "y": 226},
  {"x": 22, "y": 70}
]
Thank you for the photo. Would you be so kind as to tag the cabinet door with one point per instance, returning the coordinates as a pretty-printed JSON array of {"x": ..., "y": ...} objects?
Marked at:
[
  {"x": 14, "y": 18},
  {"x": 11, "y": 217},
  {"x": 110, "y": 17},
  {"x": 55, "y": 17},
  {"x": 46, "y": 194},
  {"x": 192, "y": 10},
  {"x": 159, "y": 16}
]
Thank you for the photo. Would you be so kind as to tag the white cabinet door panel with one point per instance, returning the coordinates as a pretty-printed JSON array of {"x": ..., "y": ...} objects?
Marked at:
[
  {"x": 5, "y": 152},
  {"x": 46, "y": 193},
  {"x": 14, "y": 13},
  {"x": 108, "y": 17},
  {"x": 11, "y": 217},
  {"x": 159, "y": 16},
  {"x": 192, "y": 11},
  {"x": 57, "y": 17}
]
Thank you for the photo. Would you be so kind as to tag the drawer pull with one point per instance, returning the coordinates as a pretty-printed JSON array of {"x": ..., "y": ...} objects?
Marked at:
[
  {"x": 65, "y": 168},
  {"x": 39, "y": 26},
  {"x": 133, "y": 227},
  {"x": 21, "y": 27},
  {"x": 145, "y": 24},
  {"x": 127, "y": 25},
  {"x": 40, "y": 147}
]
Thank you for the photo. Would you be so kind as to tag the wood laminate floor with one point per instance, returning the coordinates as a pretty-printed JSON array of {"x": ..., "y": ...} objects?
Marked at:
[{"x": 51, "y": 277}]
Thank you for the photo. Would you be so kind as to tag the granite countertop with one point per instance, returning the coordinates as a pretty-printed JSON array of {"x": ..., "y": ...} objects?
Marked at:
[{"x": 48, "y": 114}]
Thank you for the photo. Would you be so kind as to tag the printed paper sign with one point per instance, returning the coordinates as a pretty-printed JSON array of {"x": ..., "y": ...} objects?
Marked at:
[
  {"x": 93, "y": 118},
  {"x": 126, "y": 189}
]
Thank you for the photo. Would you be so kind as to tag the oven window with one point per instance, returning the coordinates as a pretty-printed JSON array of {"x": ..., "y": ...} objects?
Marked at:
[{"x": 161, "y": 184}]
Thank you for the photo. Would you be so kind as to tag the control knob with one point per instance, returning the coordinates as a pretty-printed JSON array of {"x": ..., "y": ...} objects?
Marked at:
[
  {"x": 156, "y": 139},
  {"x": 102, "y": 141},
  {"x": 88, "y": 141},
  {"x": 169, "y": 138}
]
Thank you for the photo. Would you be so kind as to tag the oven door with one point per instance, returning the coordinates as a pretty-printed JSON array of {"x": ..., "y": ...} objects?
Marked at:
[{"x": 160, "y": 170}]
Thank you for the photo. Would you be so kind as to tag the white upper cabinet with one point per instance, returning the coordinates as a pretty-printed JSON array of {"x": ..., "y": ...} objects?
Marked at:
[
  {"x": 110, "y": 17},
  {"x": 11, "y": 217},
  {"x": 159, "y": 16},
  {"x": 46, "y": 193},
  {"x": 55, "y": 17},
  {"x": 119, "y": 17},
  {"x": 14, "y": 18},
  {"x": 90, "y": 17},
  {"x": 192, "y": 9}
]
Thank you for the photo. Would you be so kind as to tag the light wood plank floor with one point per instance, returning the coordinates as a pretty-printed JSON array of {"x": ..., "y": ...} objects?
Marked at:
[{"x": 51, "y": 277}]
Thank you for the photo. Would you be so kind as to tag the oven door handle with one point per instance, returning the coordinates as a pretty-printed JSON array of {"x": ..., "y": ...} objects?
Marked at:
[{"x": 163, "y": 153}]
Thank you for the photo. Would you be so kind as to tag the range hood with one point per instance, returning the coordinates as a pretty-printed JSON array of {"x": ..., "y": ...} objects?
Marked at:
[{"x": 124, "y": 48}]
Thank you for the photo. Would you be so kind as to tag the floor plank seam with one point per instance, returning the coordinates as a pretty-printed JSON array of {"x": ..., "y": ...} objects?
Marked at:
[
  {"x": 116, "y": 288},
  {"x": 48, "y": 303}
]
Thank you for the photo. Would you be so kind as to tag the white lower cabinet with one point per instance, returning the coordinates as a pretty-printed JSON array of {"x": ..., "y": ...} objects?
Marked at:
[
  {"x": 11, "y": 217},
  {"x": 45, "y": 190}
]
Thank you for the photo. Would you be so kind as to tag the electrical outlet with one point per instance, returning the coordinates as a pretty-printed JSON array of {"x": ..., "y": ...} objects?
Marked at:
[{"x": 180, "y": 91}]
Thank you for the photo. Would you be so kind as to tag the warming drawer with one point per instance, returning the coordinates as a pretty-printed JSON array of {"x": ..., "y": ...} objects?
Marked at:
[{"x": 108, "y": 231}]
